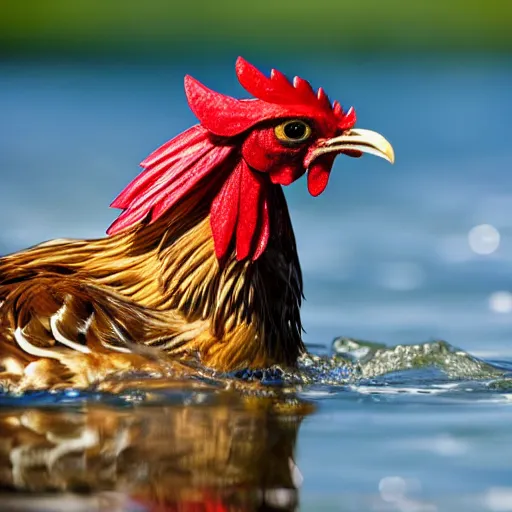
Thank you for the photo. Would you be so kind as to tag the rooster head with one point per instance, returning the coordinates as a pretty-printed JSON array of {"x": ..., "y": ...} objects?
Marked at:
[
  {"x": 289, "y": 128},
  {"x": 244, "y": 147}
]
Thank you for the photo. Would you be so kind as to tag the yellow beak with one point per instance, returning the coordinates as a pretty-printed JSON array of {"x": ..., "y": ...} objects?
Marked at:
[{"x": 356, "y": 139}]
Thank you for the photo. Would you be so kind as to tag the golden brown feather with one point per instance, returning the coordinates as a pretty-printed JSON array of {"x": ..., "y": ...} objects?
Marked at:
[{"x": 82, "y": 305}]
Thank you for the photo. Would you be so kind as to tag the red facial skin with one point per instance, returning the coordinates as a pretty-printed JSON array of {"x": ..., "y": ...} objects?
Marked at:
[{"x": 235, "y": 143}]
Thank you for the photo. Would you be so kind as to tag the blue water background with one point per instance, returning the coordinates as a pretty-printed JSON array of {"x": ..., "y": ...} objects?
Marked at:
[{"x": 384, "y": 250}]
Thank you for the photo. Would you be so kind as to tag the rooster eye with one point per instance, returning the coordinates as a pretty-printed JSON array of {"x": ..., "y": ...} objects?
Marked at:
[{"x": 295, "y": 131}]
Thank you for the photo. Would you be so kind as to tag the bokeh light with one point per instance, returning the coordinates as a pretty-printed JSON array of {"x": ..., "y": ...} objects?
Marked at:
[
  {"x": 392, "y": 488},
  {"x": 500, "y": 302},
  {"x": 484, "y": 239},
  {"x": 499, "y": 499}
]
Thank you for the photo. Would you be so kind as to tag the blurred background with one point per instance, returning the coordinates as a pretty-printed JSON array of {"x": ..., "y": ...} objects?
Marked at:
[{"x": 400, "y": 254}]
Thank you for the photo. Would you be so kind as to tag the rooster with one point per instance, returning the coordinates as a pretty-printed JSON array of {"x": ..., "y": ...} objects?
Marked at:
[{"x": 202, "y": 261}]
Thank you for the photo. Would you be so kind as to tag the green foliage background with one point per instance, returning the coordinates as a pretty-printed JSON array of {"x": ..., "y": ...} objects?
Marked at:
[{"x": 190, "y": 26}]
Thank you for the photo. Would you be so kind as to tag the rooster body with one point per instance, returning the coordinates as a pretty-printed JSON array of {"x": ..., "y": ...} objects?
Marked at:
[{"x": 202, "y": 262}]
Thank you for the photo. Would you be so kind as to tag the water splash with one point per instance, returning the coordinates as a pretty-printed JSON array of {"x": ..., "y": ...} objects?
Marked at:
[{"x": 357, "y": 361}]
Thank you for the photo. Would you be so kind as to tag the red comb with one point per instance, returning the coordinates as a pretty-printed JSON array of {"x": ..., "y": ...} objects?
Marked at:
[
  {"x": 277, "y": 88},
  {"x": 276, "y": 97}
]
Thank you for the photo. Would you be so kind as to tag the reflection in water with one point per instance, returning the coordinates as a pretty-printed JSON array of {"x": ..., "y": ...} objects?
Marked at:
[{"x": 188, "y": 457}]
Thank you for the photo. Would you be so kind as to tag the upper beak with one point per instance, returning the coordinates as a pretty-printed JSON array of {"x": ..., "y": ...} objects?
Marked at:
[{"x": 356, "y": 139}]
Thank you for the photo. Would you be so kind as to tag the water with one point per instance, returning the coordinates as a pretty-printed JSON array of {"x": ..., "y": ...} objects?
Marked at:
[
  {"x": 354, "y": 431},
  {"x": 386, "y": 258}
]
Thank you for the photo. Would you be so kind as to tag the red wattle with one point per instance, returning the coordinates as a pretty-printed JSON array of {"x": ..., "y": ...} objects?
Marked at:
[{"x": 318, "y": 174}]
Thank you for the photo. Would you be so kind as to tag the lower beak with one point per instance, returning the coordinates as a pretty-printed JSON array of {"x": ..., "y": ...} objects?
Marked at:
[{"x": 357, "y": 139}]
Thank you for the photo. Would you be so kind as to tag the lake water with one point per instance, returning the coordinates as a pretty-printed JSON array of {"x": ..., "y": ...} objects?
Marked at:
[{"x": 389, "y": 254}]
